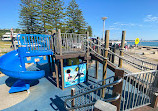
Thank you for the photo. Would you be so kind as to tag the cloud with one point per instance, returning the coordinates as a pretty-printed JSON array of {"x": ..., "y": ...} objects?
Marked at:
[
  {"x": 119, "y": 25},
  {"x": 126, "y": 24},
  {"x": 151, "y": 18},
  {"x": 113, "y": 28}
]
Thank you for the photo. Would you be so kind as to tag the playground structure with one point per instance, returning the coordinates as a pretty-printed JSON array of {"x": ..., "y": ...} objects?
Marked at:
[
  {"x": 13, "y": 63},
  {"x": 128, "y": 90}
]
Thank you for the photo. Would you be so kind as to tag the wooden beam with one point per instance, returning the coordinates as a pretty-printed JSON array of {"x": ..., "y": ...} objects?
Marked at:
[
  {"x": 109, "y": 65},
  {"x": 122, "y": 47},
  {"x": 62, "y": 73},
  {"x": 60, "y": 41},
  {"x": 97, "y": 62},
  {"x": 95, "y": 57},
  {"x": 52, "y": 41},
  {"x": 118, "y": 88},
  {"x": 56, "y": 70},
  {"x": 105, "y": 61},
  {"x": 87, "y": 54},
  {"x": 50, "y": 68},
  {"x": 53, "y": 67},
  {"x": 73, "y": 100},
  {"x": 113, "y": 56},
  {"x": 67, "y": 56}
]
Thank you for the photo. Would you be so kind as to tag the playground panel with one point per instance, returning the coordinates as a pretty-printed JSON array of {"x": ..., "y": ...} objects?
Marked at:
[{"x": 74, "y": 74}]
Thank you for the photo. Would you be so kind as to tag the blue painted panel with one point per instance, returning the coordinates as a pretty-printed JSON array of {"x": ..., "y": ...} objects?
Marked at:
[{"x": 74, "y": 74}]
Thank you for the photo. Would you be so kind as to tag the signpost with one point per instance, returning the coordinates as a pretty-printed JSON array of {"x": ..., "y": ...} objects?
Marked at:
[{"x": 137, "y": 41}]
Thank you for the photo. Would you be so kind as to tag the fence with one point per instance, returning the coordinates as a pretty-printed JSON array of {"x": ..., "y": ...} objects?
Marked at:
[
  {"x": 69, "y": 42},
  {"x": 137, "y": 89},
  {"x": 35, "y": 42}
]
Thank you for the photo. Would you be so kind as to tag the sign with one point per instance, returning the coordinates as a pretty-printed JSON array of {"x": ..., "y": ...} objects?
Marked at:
[
  {"x": 74, "y": 74},
  {"x": 137, "y": 41}
]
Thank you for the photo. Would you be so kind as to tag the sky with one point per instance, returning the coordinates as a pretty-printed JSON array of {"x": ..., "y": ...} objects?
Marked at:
[{"x": 138, "y": 17}]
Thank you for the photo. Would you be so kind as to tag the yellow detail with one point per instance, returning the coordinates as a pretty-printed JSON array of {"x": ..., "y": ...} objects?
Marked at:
[
  {"x": 37, "y": 60},
  {"x": 137, "y": 41},
  {"x": 77, "y": 69},
  {"x": 28, "y": 58}
]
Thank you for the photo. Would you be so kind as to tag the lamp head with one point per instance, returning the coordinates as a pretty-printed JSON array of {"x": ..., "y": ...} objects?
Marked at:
[{"x": 103, "y": 18}]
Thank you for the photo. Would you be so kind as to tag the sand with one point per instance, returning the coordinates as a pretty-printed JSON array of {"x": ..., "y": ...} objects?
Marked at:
[
  {"x": 148, "y": 54},
  {"x": 8, "y": 100}
]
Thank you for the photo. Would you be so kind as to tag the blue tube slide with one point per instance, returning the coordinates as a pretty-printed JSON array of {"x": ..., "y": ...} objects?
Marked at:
[{"x": 10, "y": 65}]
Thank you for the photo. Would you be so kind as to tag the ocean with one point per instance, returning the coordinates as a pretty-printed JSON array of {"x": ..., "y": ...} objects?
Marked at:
[{"x": 154, "y": 44}]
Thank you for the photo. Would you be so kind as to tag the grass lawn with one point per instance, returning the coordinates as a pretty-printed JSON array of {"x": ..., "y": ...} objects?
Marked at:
[{"x": 5, "y": 44}]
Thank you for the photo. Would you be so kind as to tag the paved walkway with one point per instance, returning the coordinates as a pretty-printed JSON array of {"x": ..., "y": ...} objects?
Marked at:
[{"x": 45, "y": 96}]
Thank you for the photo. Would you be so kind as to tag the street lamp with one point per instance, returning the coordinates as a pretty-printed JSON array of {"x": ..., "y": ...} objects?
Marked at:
[{"x": 103, "y": 18}]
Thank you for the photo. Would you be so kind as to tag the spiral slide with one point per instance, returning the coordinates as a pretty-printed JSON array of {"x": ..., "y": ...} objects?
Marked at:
[{"x": 11, "y": 65}]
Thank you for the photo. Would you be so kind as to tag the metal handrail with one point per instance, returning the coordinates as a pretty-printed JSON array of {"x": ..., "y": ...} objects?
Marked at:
[
  {"x": 90, "y": 104},
  {"x": 131, "y": 74},
  {"x": 137, "y": 89},
  {"x": 93, "y": 90}
]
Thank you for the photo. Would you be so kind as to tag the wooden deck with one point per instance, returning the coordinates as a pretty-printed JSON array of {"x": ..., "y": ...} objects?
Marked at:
[{"x": 67, "y": 55}]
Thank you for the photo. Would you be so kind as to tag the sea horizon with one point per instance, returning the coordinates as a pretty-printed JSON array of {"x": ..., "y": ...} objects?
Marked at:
[{"x": 154, "y": 44}]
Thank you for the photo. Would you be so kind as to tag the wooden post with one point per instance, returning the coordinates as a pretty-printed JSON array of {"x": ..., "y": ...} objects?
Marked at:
[
  {"x": 122, "y": 47},
  {"x": 154, "y": 100},
  {"x": 49, "y": 63},
  {"x": 105, "y": 60},
  {"x": 110, "y": 55},
  {"x": 57, "y": 75},
  {"x": 155, "y": 82},
  {"x": 118, "y": 88},
  {"x": 62, "y": 73},
  {"x": 113, "y": 56},
  {"x": 61, "y": 60},
  {"x": 97, "y": 62},
  {"x": 90, "y": 44},
  {"x": 53, "y": 49},
  {"x": 73, "y": 100},
  {"x": 154, "y": 94},
  {"x": 87, "y": 54},
  {"x": 52, "y": 39},
  {"x": 60, "y": 41},
  {"x": 53, "y": 66}
]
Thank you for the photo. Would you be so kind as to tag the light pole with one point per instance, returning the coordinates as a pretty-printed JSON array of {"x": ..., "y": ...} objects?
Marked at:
[{"x": 103, "y": 18}]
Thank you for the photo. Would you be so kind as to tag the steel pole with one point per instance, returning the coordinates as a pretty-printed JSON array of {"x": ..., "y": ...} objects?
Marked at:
[{"x": 103, "y": 28}]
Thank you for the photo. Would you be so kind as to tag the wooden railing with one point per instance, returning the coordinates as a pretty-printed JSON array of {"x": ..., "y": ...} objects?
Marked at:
[{"x": 69, "y": 42}]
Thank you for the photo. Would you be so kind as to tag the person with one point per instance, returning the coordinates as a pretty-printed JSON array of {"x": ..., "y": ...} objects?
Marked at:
[
  {"x": 12, "y": 38},
  {"x": 119, "y": 45}
]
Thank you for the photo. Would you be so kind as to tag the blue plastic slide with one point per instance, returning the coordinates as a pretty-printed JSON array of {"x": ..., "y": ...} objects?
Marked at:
[
  {"x": 13, "y": 63},
  {"x": 10, "y": 64}
]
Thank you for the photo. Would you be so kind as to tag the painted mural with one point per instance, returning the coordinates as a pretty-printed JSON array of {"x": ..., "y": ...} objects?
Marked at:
[{"x": 74, "y": 74}]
